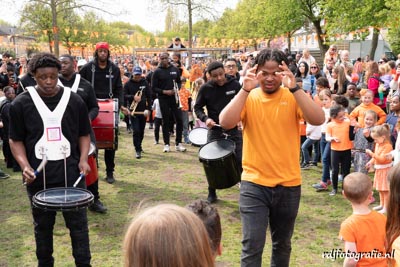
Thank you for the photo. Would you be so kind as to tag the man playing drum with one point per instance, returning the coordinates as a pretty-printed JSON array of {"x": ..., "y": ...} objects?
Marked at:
[
  {"x": 105, "y": 78},
  {"x": 48, "y": 121},
  {"x": 84, "y": 89},
  {"x": 215, "y": 95}
]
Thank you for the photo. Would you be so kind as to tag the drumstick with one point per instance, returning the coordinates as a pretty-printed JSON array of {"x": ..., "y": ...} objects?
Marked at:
[
  {"x": 79, "y": 179},
  {"x": 41, "y": 165}
]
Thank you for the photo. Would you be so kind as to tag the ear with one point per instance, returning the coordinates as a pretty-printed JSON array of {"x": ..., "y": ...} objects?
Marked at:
[{"x": 344, "y": 195}]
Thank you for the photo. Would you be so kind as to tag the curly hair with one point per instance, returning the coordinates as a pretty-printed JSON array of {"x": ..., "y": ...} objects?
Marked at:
[
  {"x": 269, "y": 54},
  {"x": 43, "y": 60}
]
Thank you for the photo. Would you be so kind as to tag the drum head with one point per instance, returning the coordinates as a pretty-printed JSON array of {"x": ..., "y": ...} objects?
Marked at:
[
  {"x": 198, "y": 136},
  {"x": 217, "y": 149},
  {"x": 62, "y": 198}
]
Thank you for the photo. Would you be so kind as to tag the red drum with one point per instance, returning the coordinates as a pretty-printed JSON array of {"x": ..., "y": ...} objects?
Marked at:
[
  {"x": 93, "y": 174},
  {"x": 105, "y": 125}
]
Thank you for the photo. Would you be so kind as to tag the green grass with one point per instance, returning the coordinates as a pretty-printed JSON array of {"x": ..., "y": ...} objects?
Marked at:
[{"x": 164, "y": 178}]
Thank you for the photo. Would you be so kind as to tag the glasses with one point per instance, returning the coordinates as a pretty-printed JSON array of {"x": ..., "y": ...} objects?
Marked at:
[
  {"x": 230, "y": 66},
  {"x": 313, "y": 67},
  {"x": 380, "y": 62}
]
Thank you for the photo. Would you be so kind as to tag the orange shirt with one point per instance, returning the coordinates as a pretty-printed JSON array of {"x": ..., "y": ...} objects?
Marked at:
[
  {"x": 368, "y": 232},
  {"x": 358, "y": 113},
  {"x": 184, "y": 95},
  {"x": 271, "y": 143},
  {"x": 380, "y": 151},
  {"x": 339, "y": 130}
]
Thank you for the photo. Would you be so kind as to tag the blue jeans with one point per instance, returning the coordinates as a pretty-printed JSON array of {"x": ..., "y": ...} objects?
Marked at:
[
  {"x": 326, "y": 158},
  {"x": 260, "y": 205},
  {"x": 304, "y": 149}
]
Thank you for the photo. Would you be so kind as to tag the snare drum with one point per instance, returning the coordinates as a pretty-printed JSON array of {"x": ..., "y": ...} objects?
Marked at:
[
  {"x": 62, "y": 199},
  {"x": 92, "y": 176},
  {"x": 219, "y": 163},
  {"x": 105, "y": 125},
  {"x": 198, "y": 136}
]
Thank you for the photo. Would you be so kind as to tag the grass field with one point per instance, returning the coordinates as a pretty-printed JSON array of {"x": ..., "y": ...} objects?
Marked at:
[{"x": 164, "y": 178}]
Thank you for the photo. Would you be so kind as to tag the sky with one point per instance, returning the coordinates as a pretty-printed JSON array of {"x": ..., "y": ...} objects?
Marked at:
[{"x": 139, "y": 12}]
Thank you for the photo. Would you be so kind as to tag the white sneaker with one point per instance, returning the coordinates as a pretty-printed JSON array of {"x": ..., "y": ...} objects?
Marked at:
[
  {"x": 166, "y": 148},
  {"x": 180, "y": 148}
]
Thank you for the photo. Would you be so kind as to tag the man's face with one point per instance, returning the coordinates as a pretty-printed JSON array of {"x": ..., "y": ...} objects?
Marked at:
[
  {"x": 10, "y": 94},
  {"x": 46, "y": 79},
  {"x": 22, "y": 61},
  {"x": 231, "y": 68},
  {"x": 137, "y": 77},
  {"x": 102, "y": 54},
  {"x": 67, "y": 67},
  {"x": 5, "y": 59},
  {"x": 164, "y": 59},
  {"x": 130, "y": 67},
  {"x": 329, "y": 64},
  {"x": 177, "y": 43},
  {"x": 268, "y": 79},
  {"x": 218, "y": 76}
]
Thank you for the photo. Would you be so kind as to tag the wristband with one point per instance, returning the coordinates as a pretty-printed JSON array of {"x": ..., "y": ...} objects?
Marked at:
[
  {"x": 247, "y": 91},
  {"x": 292, "y": 90}
]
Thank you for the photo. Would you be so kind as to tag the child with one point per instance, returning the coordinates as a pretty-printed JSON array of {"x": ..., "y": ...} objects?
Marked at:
[
  {"x": 157, "y": 120},
  {"x": 197, "y": 84},
  {"x": 393, "y": 215},
  {"x": 184, "y": 95},
  {"x": 366, "y": 103},
  {"x": 340, "y": 133},
  {"x": 313, "y": 135},
  {"x": 363, "y": 141},
  {"x": 395, "y": 153},
  {"x": 383, "y": 146},
  {"x": 325, "y": 146},
  {"x": 364, "y": 230},
  {"x": 352, "y": 96}
]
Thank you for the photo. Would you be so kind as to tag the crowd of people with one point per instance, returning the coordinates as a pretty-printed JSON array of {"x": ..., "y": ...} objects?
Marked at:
[{"x": 341, "y": 114}]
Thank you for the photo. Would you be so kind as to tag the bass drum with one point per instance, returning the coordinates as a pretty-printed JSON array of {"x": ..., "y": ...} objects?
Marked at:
[
  {"x": 105, "y": 125},
  {"x": 219, "y": 163}
]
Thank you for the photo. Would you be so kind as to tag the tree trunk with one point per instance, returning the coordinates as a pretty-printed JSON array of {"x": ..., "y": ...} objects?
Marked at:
[
  {"x": 374, "y": 43},
  {"x": 189, "y": 3},
  {"x": 53, "y": 7},
  {"x": 322, "y": 47}
]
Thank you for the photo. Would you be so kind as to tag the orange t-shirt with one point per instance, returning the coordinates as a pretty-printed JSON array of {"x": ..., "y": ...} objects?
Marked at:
[
  {"x": 368, "y": 232},
  {"x": 271, "y": 143},
  {"x": 359, "y": 113},
  {"x": 184, "y": 95},
  {"x": 339, "y": 130}
]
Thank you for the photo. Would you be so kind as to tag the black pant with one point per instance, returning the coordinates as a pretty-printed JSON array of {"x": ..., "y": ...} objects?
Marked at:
[
  {"x": 76, "y": 222},
  {"x": 109, "y": 157},
  {"x": 138, "y": 123},
  {"x": 342, "y": 159},
  {"x": 157, "y": 124},
  {"x": 168, "y": 106}
]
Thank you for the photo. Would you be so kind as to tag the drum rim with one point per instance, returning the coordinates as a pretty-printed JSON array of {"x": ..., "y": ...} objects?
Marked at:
[
  {"x": 63, "y": 206},
  {"x": 215, "y": 141}
]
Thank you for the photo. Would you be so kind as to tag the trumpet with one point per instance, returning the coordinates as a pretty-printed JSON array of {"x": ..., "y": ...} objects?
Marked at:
[
  {"x": 176, "y": 90},
  {"x": 134, "y": 103}
]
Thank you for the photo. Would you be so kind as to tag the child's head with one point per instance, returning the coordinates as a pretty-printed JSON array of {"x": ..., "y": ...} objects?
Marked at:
[
  {"x": 210, "y": 217},
  {"x": 381, "y": 133},
  {"x": 198, "y": 83},
  {"x": 395, "y": 103},
  {"x": 357, "y": 187},
  {"x": 341, "y": 100},
  {"x": 370, "y": 118},
  {"x": 167, "y": 235},
  {"x": 351, "y": 90},
  {"x": 326, "y": 98},
  {"x": 366, "y": 96},
  {"x": 321, "y": 84},
  {"x": 384, "y": 69},
  {"x": 337, "y": 112}
]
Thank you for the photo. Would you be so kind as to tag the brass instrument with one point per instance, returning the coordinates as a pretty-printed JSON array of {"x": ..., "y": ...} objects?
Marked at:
[
  {"x": 134, "y": 103},
  {"x": 176, "y": 90}
]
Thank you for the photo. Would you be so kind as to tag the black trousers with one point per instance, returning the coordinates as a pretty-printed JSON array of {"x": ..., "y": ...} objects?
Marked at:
[{"x": 168, "y": 106}]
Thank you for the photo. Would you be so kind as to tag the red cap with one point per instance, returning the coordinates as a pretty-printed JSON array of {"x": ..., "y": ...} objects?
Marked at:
[{"x": 103, "y": 45}]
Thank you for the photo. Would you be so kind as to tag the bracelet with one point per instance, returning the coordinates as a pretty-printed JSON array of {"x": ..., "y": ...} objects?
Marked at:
[
  {"x": 247, "y": 91},
  {"x": 292, "y": 90}
]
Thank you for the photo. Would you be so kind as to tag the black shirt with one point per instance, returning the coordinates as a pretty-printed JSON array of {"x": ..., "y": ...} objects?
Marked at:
[{"x": 132, "y": 87}]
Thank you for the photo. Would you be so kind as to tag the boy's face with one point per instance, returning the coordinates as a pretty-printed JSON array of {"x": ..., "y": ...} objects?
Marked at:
[{"x": 351, "y": 90}]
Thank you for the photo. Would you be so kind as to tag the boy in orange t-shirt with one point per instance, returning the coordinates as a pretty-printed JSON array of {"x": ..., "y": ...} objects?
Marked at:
[{"x": 364, "y": 230}]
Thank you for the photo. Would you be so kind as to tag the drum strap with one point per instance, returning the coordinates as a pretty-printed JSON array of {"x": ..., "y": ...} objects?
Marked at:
[
  {"x": 110, "y": 76},
  {"x": 74, "y": 87},
  {"x": 55, "y": 144}
]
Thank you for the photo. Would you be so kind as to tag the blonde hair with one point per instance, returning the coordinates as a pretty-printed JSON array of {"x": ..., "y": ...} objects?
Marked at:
[
  {"x": 167, "y": 235},
  {"x": 357, "y": 186},
  {"x": 381, "y": 130}
]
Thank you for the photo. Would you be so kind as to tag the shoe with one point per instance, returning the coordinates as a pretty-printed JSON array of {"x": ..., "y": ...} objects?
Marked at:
[
  {"x": 313, "y": 164},
  {"x": 212, "y": 196},
  {"x": 155, "y": 142},
  {"x": 138, "y": 154},
  {"x": 98, "y": 207},
  {"x": 321, "y": 187},
  {"x": 180, "y": 148},
  {"x": 166, "y": 148},
  {"x": 328, "y": 182},
  {"x": 333, "y": 192},
  {"x": 305, "y": 166},
  {"x": 110, "y": 178},
  {"x": 4, "y": 175}
]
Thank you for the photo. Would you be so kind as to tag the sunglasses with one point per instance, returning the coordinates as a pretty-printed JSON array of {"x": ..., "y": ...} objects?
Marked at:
[
  {"x": 380, "y": 62},
  {"x": 313, "y": 67},
  {"x": 230, "y": 66}
]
